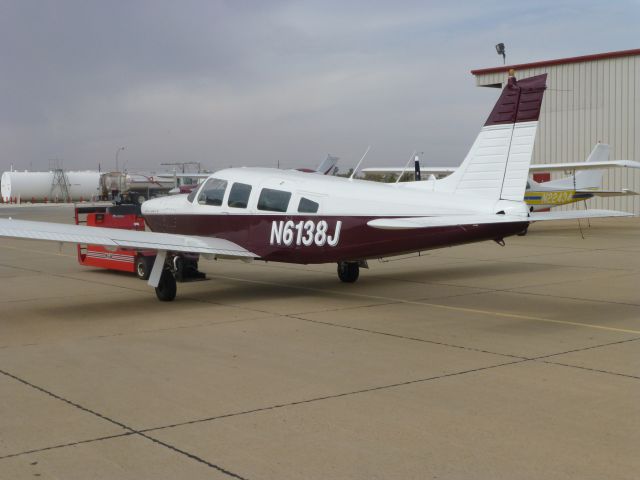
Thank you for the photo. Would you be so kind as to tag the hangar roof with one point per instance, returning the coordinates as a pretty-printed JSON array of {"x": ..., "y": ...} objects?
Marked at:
[{"x": 559, "y": 61}]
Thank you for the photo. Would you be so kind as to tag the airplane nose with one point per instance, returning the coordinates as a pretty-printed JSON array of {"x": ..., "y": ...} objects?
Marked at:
[{"x": 148, "y": 205}]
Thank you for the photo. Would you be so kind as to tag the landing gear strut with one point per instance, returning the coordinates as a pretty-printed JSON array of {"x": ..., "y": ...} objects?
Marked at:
[
  {"x": 348, "y": 272},
  {"x": 166, "y": 289}
]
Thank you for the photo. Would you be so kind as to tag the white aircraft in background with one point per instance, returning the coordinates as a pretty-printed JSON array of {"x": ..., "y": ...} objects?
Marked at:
[
  {"x": 298, "y": 217},
  {"x": 584, "y": 182}
]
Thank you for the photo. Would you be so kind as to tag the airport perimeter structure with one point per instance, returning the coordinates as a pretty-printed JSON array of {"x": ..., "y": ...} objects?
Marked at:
[{"x": 590, "y": 99}]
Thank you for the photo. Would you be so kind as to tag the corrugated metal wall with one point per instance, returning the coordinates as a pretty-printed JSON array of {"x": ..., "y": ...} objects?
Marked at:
[{"x": 587, "y": 102}]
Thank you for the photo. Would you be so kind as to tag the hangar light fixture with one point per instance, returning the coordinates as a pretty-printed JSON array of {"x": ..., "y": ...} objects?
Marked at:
[{"x": 501, "y": 51}]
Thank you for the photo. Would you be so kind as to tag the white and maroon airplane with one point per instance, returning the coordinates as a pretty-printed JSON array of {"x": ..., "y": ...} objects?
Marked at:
[{"x": 297, "y": 217}]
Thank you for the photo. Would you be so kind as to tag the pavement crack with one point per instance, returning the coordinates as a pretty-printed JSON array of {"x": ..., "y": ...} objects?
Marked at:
[
  {"x": 63, "y": 445},
  {"x": 596, "y": 370},
  {"x": 405, "y": 337},
  {"x": 590, "y": 347},
  {"x": 332, "y": 396},
  {"x": 130, "y": 430}
]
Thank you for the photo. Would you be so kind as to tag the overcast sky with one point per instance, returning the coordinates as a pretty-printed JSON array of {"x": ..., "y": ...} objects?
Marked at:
[{"x": 250, "y": 83}]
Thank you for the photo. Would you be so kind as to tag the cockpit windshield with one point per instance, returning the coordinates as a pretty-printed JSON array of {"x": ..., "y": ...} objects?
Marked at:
[{"x": 213, "y": 192}]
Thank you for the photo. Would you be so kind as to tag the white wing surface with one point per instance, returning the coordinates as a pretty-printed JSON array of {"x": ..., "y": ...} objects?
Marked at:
[
  {"x": 444, "y": 221},
  {"x": 116, "y": 237},
  {"x": 480, "y": 219},
  {"x": 576, "y": 214},
  {"x": 547, "y": 167},
  {"x": 539, "y": 167},
  {"x": 423, "y": 170},
  {"x": 609, "y": 193}
]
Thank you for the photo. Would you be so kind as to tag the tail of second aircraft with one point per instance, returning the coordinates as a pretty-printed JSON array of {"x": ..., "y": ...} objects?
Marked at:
[
  {"x": 590, "y": 179},
  {"x": 497, "y": 165}
]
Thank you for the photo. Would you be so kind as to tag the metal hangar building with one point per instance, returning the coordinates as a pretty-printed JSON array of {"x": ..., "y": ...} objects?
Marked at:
[{"x": 589, "y": 99}]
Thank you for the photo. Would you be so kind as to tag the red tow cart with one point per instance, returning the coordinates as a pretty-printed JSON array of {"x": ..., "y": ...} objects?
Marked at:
[
  {"x": 140, "y": 262},
  {"x": 126, "y": 217}
]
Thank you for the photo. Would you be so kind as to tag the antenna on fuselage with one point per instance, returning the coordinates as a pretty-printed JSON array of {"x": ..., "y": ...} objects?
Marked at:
[
  {"x": 355, "y": 170},
  {"x": 405, "y": 166}
]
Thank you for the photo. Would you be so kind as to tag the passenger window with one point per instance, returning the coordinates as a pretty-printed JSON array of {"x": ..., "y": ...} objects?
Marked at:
[
  {"x": 307, "y": 206},
  {"x": 192, "y": 195},
  {"x": 239, "y": 195},
  {"x": 213, "y": 192},
  {"x": 274, "y": 200}
]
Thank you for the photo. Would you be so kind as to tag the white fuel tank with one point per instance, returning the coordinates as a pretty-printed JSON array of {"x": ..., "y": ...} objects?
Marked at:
[{"x": 36, "y": 186}]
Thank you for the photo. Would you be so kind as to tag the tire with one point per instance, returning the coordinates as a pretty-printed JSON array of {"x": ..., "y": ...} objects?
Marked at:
[
  {"x": 143, "y": 267},
  {"x": 166, "y": 289},
  {"x": 348, "y": 272}
]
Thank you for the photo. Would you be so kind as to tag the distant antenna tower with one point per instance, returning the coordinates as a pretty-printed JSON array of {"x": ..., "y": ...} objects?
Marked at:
[{"x": 60, "y": 182}]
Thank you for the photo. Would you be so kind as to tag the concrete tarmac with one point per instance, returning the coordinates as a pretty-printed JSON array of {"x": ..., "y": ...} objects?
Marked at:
[{"x": 477, "y": 362}]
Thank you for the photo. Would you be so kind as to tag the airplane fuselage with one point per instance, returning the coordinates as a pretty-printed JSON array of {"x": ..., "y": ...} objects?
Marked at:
[{"x": 336, "y": 231}]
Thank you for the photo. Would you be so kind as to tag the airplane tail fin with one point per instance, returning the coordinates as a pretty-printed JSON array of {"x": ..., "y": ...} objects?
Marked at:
[
  {"x": 590, "y": 179},
  {"x": 328, "y": 165},
  {"x": 497, "y": 165}
]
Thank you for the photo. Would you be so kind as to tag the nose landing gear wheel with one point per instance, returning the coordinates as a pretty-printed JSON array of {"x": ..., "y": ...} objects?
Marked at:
[
  {"x": 348, "y": 272},
  {"x": 166, "y": 289},
  {"x": 143, "y": 267}
]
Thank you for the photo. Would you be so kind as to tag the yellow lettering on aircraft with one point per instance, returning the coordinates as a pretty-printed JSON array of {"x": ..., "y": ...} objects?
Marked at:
[{"x": 558, "y": 198}]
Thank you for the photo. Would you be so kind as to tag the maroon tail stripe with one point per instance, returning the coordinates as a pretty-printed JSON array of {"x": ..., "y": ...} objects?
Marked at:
[{"x": 520, "y": 101}]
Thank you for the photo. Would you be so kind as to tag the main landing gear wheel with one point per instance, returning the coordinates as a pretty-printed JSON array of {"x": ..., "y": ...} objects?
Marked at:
[
  {"x": 166, "y": 289},
  {"x": 348, "y": 272},
  {"x": 144, "y": 265}
]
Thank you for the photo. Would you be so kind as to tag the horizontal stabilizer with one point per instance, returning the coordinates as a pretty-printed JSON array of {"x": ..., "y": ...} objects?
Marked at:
[
  {"x": 576, "y": 214},
  {"x": 115, "y": 237}
]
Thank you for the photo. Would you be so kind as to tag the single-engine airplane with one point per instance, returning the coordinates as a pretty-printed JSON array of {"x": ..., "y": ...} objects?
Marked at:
[{"x": 298, "y": 217}]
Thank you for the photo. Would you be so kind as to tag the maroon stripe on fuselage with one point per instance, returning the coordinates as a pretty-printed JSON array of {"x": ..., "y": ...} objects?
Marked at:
[{"x": 357, "y": 240}]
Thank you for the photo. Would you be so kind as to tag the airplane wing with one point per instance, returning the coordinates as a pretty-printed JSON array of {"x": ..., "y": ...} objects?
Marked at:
[
  {"x": 484, "y": 219},
  {"x": 540, "y": 167},
  {"x": 576, "y": 214},
  {"x": 609, "y": 193},
  {"x": 443, "y": 221},
  {"x": 189, "y": 175},
  {"x": 115, "y": 237},
  {"x": 547, "y": 167},
  {"x": 423, "y": 170}
]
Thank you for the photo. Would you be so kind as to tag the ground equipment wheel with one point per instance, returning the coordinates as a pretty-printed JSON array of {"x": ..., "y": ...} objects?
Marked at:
[
  {"x": 348, "y": 272},
  {"x": 144, "y": 265},
  {"x": 166, "y": 289}
]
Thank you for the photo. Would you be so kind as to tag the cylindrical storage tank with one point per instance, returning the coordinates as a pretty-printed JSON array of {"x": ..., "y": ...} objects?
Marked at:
[
  {"x": 113, "y": 181},
  {"x": 138, "y": 181},
  {"x": 37, "y": 186},
  {"x": 83, "y": 185}
]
